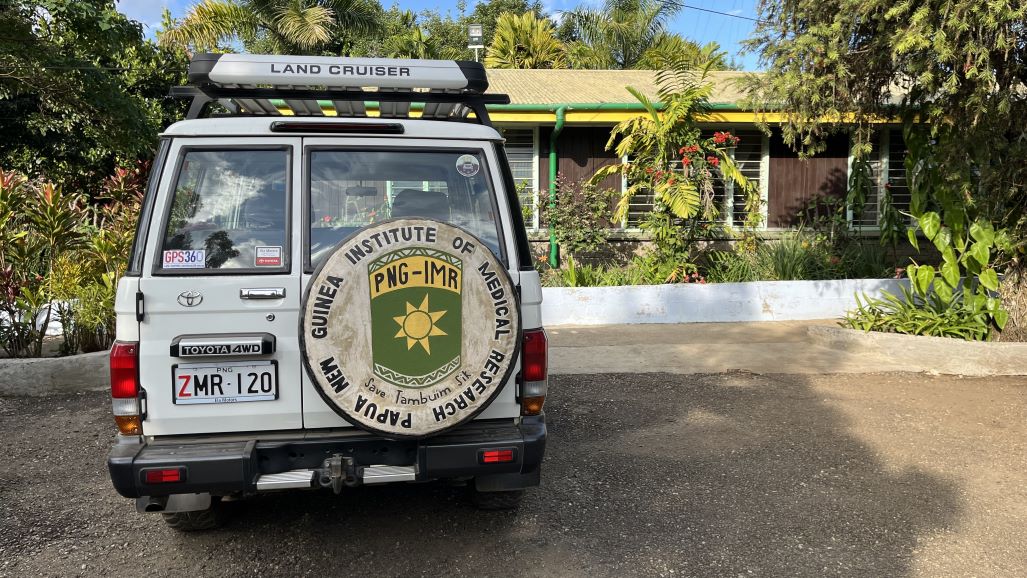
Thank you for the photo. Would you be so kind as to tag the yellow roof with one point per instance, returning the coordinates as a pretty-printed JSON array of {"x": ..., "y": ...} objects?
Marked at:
[{"x": 594, "y": 86}]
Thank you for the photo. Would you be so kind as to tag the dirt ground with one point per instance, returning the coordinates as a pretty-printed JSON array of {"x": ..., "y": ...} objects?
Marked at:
[{"x": 731, "y": 474}]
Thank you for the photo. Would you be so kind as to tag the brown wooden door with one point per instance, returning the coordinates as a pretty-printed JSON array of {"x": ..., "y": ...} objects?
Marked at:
[{"x": 794, "y": 183}]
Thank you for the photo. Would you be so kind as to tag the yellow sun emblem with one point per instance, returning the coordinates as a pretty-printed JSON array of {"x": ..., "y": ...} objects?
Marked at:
[{"x": 418, "y": 325}]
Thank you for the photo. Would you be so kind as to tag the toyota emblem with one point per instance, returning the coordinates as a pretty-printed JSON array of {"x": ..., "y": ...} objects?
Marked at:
[{"x": 190, "y": 298}]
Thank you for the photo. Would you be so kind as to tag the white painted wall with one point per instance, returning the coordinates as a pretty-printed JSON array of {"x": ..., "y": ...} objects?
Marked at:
[{"x": 714, "y": 302}]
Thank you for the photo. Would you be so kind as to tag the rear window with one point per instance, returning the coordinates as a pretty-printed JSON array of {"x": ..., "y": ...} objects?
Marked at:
[
  {"x": 229, "y": 211},
  {"x": 351, "y": 189}
]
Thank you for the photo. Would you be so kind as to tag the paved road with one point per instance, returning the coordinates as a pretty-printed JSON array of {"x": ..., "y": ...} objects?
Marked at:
[{"x": 724, "y": 474}]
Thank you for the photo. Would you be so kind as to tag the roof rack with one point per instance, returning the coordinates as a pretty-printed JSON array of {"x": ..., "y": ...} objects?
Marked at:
[{"x": 270, "y": 85}]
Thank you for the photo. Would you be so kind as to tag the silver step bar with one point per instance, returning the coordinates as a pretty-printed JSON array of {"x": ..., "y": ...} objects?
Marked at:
[
  {"x": 307, "y": 478},
  {"x": 286, "y": 480},
  {"x": 387, "y": 474}
]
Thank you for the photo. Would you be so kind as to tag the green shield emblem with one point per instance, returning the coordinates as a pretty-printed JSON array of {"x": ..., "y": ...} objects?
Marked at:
[{"x": 415, "y": 316}]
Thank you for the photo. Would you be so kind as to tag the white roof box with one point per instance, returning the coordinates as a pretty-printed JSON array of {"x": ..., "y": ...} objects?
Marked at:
[{"x": 247, "y": 70}]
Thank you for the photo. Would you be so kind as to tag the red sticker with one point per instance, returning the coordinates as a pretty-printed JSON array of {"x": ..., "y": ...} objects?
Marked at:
[{"x": 268, "y": 257}]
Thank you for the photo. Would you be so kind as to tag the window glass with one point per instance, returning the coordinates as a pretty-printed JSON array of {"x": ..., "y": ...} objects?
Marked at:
[
  {"x": 352, "y": 189},
  {"x": 229, "y": 212}
]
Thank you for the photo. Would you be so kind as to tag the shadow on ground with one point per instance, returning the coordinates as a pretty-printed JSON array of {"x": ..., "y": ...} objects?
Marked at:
[{"x": 645, "y": 475}]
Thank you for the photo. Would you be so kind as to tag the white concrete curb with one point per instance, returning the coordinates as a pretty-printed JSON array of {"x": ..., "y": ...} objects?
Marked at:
[
  {"x": 710, "y": 303},
  {"x": 941, "y": 354},
  {"x": 49, "y": 375}
]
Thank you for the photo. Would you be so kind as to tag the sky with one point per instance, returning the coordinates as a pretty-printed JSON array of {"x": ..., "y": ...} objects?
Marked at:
[{"x": 693, "y": 24}]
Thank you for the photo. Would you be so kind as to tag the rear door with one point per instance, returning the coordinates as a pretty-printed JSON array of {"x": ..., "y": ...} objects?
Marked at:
[
  {"x": 221, "y": 290},
  {"x": 351, "y": 183}
]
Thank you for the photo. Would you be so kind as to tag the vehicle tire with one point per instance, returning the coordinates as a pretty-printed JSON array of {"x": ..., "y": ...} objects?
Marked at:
[
  {"x": 212, "y": 517},
  {"x": 508, "y": 500}
]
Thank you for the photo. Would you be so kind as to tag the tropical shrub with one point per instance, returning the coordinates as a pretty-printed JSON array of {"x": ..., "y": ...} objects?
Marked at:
[
  {"x": 669, "y": 157},
  {"x": 959, "y": 298},
  {"x": 60, "y": 259},
  {"x": 579, "y": 216},
  {"x": 917, "y": 312}
]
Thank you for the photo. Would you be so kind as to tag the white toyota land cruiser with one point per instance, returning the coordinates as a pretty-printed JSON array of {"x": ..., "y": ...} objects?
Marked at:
[{"x": 330, "y": 286}]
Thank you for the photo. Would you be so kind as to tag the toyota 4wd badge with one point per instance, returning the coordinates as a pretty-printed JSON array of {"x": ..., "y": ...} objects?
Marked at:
[{"x": 410, "y": 327}]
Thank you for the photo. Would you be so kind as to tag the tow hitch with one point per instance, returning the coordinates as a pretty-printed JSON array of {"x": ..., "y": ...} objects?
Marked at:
[{"x": 339, "y": 471}]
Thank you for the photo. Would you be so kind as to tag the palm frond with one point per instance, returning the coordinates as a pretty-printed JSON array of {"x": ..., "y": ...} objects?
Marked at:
[
  {"x": 210, "y": 23},
  {"x": 525, "y": 41},
  {"x": 359, "y": 16},
  {"x": 303, "y": 25}
]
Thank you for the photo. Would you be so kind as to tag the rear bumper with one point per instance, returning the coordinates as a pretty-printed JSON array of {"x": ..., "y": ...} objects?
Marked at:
[{"x": 231, "y": 467}]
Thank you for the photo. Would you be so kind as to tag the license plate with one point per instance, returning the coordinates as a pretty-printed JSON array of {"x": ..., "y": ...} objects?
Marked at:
[{"x": 225, "y": 382}]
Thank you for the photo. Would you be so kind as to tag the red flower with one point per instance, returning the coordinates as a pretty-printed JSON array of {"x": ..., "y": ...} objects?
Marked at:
[
  {"x": 713, "y": 160},
  {"x": 686, "y": 161},
  {"x": 327, "y": 218}
]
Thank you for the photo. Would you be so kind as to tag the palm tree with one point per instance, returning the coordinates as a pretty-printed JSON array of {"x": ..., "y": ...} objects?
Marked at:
[
  {"x": 652, "y": 142},
  {"x": 619, "y": 33},
  {"x": 277, "y": 26},
  {"x": 418, "y": 44},
  {"x": 525, "y": 41},
  {"x": 673, "y": 46}
]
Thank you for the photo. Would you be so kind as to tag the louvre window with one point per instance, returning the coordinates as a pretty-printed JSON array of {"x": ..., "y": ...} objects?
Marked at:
[
  {"x": 887, "y": 162},
  {"x": 520, "y": 150}
]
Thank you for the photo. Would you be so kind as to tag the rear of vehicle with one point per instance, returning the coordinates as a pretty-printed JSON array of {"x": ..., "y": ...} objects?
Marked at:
[{"x": 209, "y": 384}]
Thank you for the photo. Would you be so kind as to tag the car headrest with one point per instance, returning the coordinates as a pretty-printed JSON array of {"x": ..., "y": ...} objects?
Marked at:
[{"x": 416, "y": 203}]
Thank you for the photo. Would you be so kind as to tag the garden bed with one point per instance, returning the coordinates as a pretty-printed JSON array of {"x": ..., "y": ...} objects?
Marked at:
[
  {"x": 706, "y": 303},
  {"x": 942, "y": 354}
]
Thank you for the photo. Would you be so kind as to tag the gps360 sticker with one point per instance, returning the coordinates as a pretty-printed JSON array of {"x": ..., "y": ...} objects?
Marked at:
[{"x": 410, "y": 327}]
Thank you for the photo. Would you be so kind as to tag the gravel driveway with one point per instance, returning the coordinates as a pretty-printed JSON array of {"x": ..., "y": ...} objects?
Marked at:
[{"x": 676, "y": 475}]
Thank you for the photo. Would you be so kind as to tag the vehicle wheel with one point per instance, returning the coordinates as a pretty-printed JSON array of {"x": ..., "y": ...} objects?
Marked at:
[
  {"x": 507, "y": 500},
  {"x": 212, "y": 517}
]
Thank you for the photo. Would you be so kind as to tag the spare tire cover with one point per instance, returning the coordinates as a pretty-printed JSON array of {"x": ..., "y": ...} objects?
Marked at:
[{"x": 410, "y": 327}]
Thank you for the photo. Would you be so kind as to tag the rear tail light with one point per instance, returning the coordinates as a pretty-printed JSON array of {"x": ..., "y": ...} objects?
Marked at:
[
  {"x": 164, "y": 476},
  {"x": 534, "y": 371},
  {"x": 124, "y": 364},
  {"x": 497, "y": 456}
]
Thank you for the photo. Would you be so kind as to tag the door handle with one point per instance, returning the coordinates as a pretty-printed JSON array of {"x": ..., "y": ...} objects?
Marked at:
[{"x": 262, "y": 293}]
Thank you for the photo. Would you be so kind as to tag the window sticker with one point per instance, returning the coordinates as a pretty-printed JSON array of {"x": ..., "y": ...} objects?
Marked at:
[
  {"x": 467, "y": 165},
  {"x": 268, "y": 257},
  {"x": 185, "y": 259}
]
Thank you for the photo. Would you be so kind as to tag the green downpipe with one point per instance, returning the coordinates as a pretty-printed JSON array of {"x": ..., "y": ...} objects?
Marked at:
[{"x": 554, "y": 250}]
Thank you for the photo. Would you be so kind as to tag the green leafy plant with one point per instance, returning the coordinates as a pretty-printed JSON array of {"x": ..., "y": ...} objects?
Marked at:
[
  {"x": 911, "y": 314},
  {"x": 668, "y": 157},
  {"x": 963, "y": 291},
  {"x": 60, "y": 259},
  {"x": 526, "y": 196},
  {"x": 790, "y": 258},
  {"x": 578, "y": 275},
  {"x": 733, "y": 266},
  {"x": 579, "y": 217}
]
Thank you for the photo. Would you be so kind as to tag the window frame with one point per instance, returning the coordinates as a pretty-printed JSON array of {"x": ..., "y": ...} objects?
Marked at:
[
  {"x": 137, "y": 253},
  {"x": 481, "y": 152},
  {"x": 156, "y": 270},
  {"x": 536, "y": 221}
]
